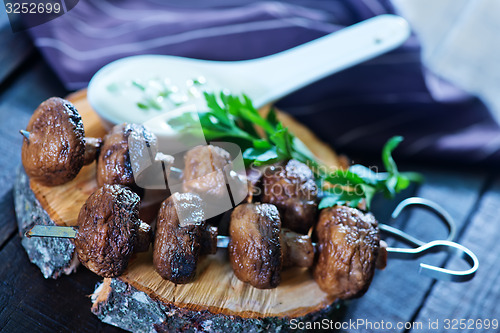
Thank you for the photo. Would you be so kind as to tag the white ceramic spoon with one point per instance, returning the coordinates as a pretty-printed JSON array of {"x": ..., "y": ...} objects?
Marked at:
[{"x": 264, "y": 80}]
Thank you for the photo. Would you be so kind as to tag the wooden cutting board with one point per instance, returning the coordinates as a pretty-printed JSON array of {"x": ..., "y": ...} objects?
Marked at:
[{"x": 141, "y": 300}]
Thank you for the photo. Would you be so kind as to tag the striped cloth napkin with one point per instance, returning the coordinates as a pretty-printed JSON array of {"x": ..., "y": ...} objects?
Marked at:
[{"x": 356, "y": 110}]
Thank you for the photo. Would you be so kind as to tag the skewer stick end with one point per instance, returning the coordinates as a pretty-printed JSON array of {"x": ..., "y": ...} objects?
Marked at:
[
  {"x": 51, "y": 231},
  {"x": 26, "y": 134}
]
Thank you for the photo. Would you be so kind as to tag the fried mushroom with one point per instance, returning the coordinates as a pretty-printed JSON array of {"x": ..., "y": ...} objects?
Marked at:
[
  {"x": 54, "y": 147},
  {"x": 349, "y": 243},
  {"x": 108, "y": 230},
  {"x": 291, "y": 188},
  {"x": 255, "y": 247},
  {"x": 204, "y": 171},
  {"x": 114, "y": 165},
  {"x": 182, "y": 237}
]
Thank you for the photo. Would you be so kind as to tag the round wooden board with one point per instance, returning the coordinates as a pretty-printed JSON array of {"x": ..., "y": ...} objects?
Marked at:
[{"x": 216, "y": 290}]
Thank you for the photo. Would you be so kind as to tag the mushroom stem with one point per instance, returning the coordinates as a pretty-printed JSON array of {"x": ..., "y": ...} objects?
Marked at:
[
  {"x": 144, "y": 237},
  {"x": 296, "y": 249},
  {"x": 26, "y": 134},
  {"x": 92, "y": 149}
]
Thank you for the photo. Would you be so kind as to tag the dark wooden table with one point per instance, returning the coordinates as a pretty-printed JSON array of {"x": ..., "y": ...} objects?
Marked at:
[{"x": 397, "y": 296}]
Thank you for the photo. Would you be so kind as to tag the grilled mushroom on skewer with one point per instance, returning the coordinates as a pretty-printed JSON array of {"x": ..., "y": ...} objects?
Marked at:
[
  {"x": 348, "y": 248},
  {"x": 109, "y": 230},
  {"x": 347, "y": 226},
  {"x": 114, "y": 165},
  {"x": 349, "y": 242},
  {"x": 182, "y": 237},
  {"x": 259, "y": 248},
  {"x": 303, "y": 253},
  {"x": 291, "y": 188},
  {"x": 204, "y": 171},
  {"x": 255, "y": 247},
  {"x": 55, "y": 147}
]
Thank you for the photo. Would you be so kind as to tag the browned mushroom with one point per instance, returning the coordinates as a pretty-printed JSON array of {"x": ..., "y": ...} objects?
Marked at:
[
  {"x": 110, "y": 230},
  {"x": 349, "y": 242},
  {"x": 182, "y": 237},
  {"x": 203, "y": 171},
  {"x": 291, "y": 188},
  {"x": 114, "y": 165},
  {"x": 55, "y": 148},
  {"x": 259, "y": 248},
  {"x": 255, "y": 247}
]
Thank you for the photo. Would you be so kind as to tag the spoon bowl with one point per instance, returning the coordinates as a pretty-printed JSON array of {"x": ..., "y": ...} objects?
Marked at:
[{"x": 138, "y": 88}]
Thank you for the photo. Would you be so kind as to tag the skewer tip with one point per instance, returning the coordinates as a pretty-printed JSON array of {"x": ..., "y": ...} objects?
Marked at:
[
  {"x": 51, "y": 231},
  {"x": 26, "y": 134}
]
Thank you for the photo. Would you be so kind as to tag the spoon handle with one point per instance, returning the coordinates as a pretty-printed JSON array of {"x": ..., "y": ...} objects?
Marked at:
[{"x": 288, "y": 71}]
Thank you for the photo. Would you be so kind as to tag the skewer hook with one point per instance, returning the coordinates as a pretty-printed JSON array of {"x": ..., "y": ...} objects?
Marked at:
[{"x": 421, "y": 248}]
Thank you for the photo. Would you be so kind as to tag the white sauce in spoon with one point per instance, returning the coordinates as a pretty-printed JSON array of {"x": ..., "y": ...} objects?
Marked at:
[{"x": 133, "y": 90}]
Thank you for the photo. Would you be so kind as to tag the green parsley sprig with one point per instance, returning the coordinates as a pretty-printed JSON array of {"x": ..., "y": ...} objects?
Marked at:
[{"x": 359, "y": 183}]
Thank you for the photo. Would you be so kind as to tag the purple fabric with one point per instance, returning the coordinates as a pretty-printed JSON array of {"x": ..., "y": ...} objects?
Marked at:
[{"x": 356, "y": 110}]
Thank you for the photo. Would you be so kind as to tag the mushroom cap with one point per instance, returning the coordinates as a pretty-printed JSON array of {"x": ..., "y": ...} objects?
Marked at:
[
  {"x": 348, "y": 248},
  {"x": 54, "y": 153},
  {"x": 204, "y": 171},
  {"x": 182, "y": 237},
  {"x": 113, "y": 164},
  {"x": 291, "y": 188},
  {"x": 108, "y": 227},
  {"x": 255, "y": 249}
]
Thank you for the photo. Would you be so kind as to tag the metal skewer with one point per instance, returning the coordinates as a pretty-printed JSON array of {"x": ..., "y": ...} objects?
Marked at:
[
  {"x": 51, "y": 231},
  {"x": 26, "y": 134},
  {"x": 419, "y": 248}
]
